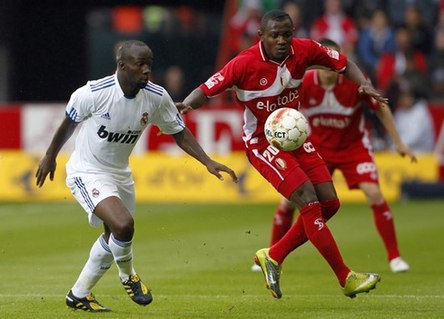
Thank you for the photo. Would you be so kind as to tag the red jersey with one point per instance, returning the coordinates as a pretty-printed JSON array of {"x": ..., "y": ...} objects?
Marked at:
[
  {"x": 262, "y": 85},
  {"x": 335, "y": 115}
]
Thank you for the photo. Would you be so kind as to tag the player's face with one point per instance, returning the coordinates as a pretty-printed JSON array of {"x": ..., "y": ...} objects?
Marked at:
[
  {"x": 328, "y": 76},
  {"x": 276, "y": 38},
  {"x": 138, "y": 66}
]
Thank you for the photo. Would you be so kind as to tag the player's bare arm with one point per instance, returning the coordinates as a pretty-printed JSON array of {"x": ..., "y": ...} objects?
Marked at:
[
  {"x": 48, "y": 163},
  {"x": 385, "y": 116},
  {"x": 186, "y": 141},
  {"x": 365, "y": 86},
  {"x": 193, "y": 101}
]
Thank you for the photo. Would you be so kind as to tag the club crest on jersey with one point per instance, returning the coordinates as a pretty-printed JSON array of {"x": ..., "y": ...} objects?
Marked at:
[
  {"x": 144, "y": 119},
  {"x": 263, "y": 81},
  {"x": 281, "y": 164},
  {"x": 95, "y": 192}
]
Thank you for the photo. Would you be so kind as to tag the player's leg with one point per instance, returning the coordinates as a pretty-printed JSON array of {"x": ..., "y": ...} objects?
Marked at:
[
  {"x": 94, "y": 193},
  {"x": 283, "y": 171},
  {"x": 85, "y": 190},
  {"x": 385, "y": 225},
  {"x": 318, "y": 173},
  {"x": 120, "y": 222},
  {"x": 99, "y": 261},
  {"x": 282, "y": 220}
]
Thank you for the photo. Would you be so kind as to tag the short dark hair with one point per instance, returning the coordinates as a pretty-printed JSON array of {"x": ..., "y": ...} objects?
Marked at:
[
  {"x": 330, "y": 43},
  {"x": 123, "y": 48},
  {"x": 274, "y": 15}
]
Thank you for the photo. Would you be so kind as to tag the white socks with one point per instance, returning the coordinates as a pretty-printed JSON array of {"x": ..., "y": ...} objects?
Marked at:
[
  {"x": 123, "y": 256},
  {"x": 100, "y": 260}
]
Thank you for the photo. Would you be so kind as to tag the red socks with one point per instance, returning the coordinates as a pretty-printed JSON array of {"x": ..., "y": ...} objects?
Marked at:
[
  {"x": 282, "y": 220},
  {"x": 311, "y": 224},
  {"x": 296, "y": 236},
  {"x": 386, "y": 228}
]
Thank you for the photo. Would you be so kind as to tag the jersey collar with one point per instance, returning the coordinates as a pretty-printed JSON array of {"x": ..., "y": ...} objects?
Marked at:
[{"x": 265, "y": 58}]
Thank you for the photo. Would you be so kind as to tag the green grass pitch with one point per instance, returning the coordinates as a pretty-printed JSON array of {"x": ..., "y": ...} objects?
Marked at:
[{"x": 197, "y": 259}]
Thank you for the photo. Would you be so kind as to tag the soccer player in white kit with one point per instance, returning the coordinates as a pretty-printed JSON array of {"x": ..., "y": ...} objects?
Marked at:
[{"x": 114, "y": 111}]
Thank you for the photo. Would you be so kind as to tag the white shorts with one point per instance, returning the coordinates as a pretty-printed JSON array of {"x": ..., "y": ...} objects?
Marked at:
[{"x": 90, "y": 189}]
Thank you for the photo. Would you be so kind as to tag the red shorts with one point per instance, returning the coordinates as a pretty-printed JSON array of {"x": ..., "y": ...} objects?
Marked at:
[
  {"x": 287, "y": 171},
  {"x": 356, "y": 164}
]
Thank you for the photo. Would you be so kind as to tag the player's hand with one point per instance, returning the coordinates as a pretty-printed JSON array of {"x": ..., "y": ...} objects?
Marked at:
[
  {"x": 215, "y": 168},
  {"x": 371, "y": 91},
  {"x": 404, "y": 150},
  {"x": 46, "y": 166},
  {"x": 183, "y": 109}
]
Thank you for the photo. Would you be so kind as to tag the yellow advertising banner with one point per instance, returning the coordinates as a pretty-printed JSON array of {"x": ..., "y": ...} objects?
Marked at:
[{"x": 161, "y": 177}]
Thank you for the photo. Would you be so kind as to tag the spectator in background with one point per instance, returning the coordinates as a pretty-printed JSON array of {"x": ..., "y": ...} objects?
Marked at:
[
  {"x": 363, "y": 10},
  {"x": 413, "y": 119},
  {"x": 404, "y": 61},
  {"x": 311, "y": 9},
  {"x": 396, "y": 10},
  {"x": 436, "y": 66},
  {"x": 173, "y": 81},
  {"x": 420, "y": 31},
  {"x": 375, "y": 40},
  {"x": 295, "y": 12},
  {"x": 334, "y": 24},
  {"x": 244, "y": 25}
]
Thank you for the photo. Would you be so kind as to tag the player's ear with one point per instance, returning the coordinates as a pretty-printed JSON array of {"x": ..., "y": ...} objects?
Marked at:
[
  {"x": 121, "y": 64},
  {"x": 259, "y": 33}
]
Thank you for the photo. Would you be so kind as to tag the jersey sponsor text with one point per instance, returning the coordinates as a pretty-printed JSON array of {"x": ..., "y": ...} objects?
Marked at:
[
  {"x": 129, "y": 137},
  {"x": 330, "y": 122},
  {"x": 280, "y": 101}
]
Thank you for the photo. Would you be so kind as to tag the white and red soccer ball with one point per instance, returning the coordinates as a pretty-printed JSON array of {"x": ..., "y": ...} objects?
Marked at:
[{"x": 286, "y": 129}]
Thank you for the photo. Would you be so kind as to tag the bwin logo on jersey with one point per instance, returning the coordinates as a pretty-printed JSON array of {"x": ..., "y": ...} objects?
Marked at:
[{"x": 129, "y": 137}]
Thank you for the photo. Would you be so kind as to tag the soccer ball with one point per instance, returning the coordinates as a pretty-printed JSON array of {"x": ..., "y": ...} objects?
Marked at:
[{"x": 286, "y": 129}]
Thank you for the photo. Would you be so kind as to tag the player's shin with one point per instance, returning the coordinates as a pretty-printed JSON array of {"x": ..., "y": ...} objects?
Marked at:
[
  {"x": 320, "y": 236},
  {"x": 123, "y": 256},
  {"x": 99, "y": 261}
]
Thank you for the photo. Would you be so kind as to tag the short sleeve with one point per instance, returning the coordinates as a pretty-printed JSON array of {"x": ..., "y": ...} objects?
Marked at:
[
  {"x": 222, "y": 80},
  {"x": 167, "y": 118},
  {"x": 80, "y": 104},
  {"x": 328, "y": 57}
]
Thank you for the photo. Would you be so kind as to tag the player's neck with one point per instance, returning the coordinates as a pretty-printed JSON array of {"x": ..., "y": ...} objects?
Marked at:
[
  {"x": 129, "y": 91},
  {"x": 328, "y": 82}
]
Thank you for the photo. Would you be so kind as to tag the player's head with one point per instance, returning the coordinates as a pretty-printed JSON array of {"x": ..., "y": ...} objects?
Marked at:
[
  {"x": 328, "y": 76},
  {"x": 134, "y": 61},
  {"x": 276, "y": 33}
]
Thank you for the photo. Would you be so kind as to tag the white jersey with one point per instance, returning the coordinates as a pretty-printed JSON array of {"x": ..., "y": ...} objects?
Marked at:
[{"x": 112, "y": 124}]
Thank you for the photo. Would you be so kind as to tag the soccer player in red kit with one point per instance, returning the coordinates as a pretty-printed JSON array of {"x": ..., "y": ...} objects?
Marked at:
[
  {"x": 334, "y": 109},
  {"x": 266, "y": 77}
]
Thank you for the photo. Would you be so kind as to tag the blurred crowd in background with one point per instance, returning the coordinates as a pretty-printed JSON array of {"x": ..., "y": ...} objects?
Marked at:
[
  {"x": 392, "y": 40},
  {"x": 399, "y": 44}
]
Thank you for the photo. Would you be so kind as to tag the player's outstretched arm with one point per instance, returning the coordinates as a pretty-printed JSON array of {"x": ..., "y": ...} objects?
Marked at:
[
  {"x": 365, "y": 86},
  {"x": 48, "y": 163},
  {"x": 186, "y": 141},
  {"x": 385, "y": 116},
  {"x": 193, "y": 101}
]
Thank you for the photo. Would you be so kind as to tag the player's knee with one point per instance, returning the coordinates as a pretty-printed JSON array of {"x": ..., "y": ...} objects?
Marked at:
[
  {"x": 286, "y": 207},
  {"x": 304, "y": 195},
  {"x": 330, "y": 208},
  {"x": 124, "y": 230}
]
